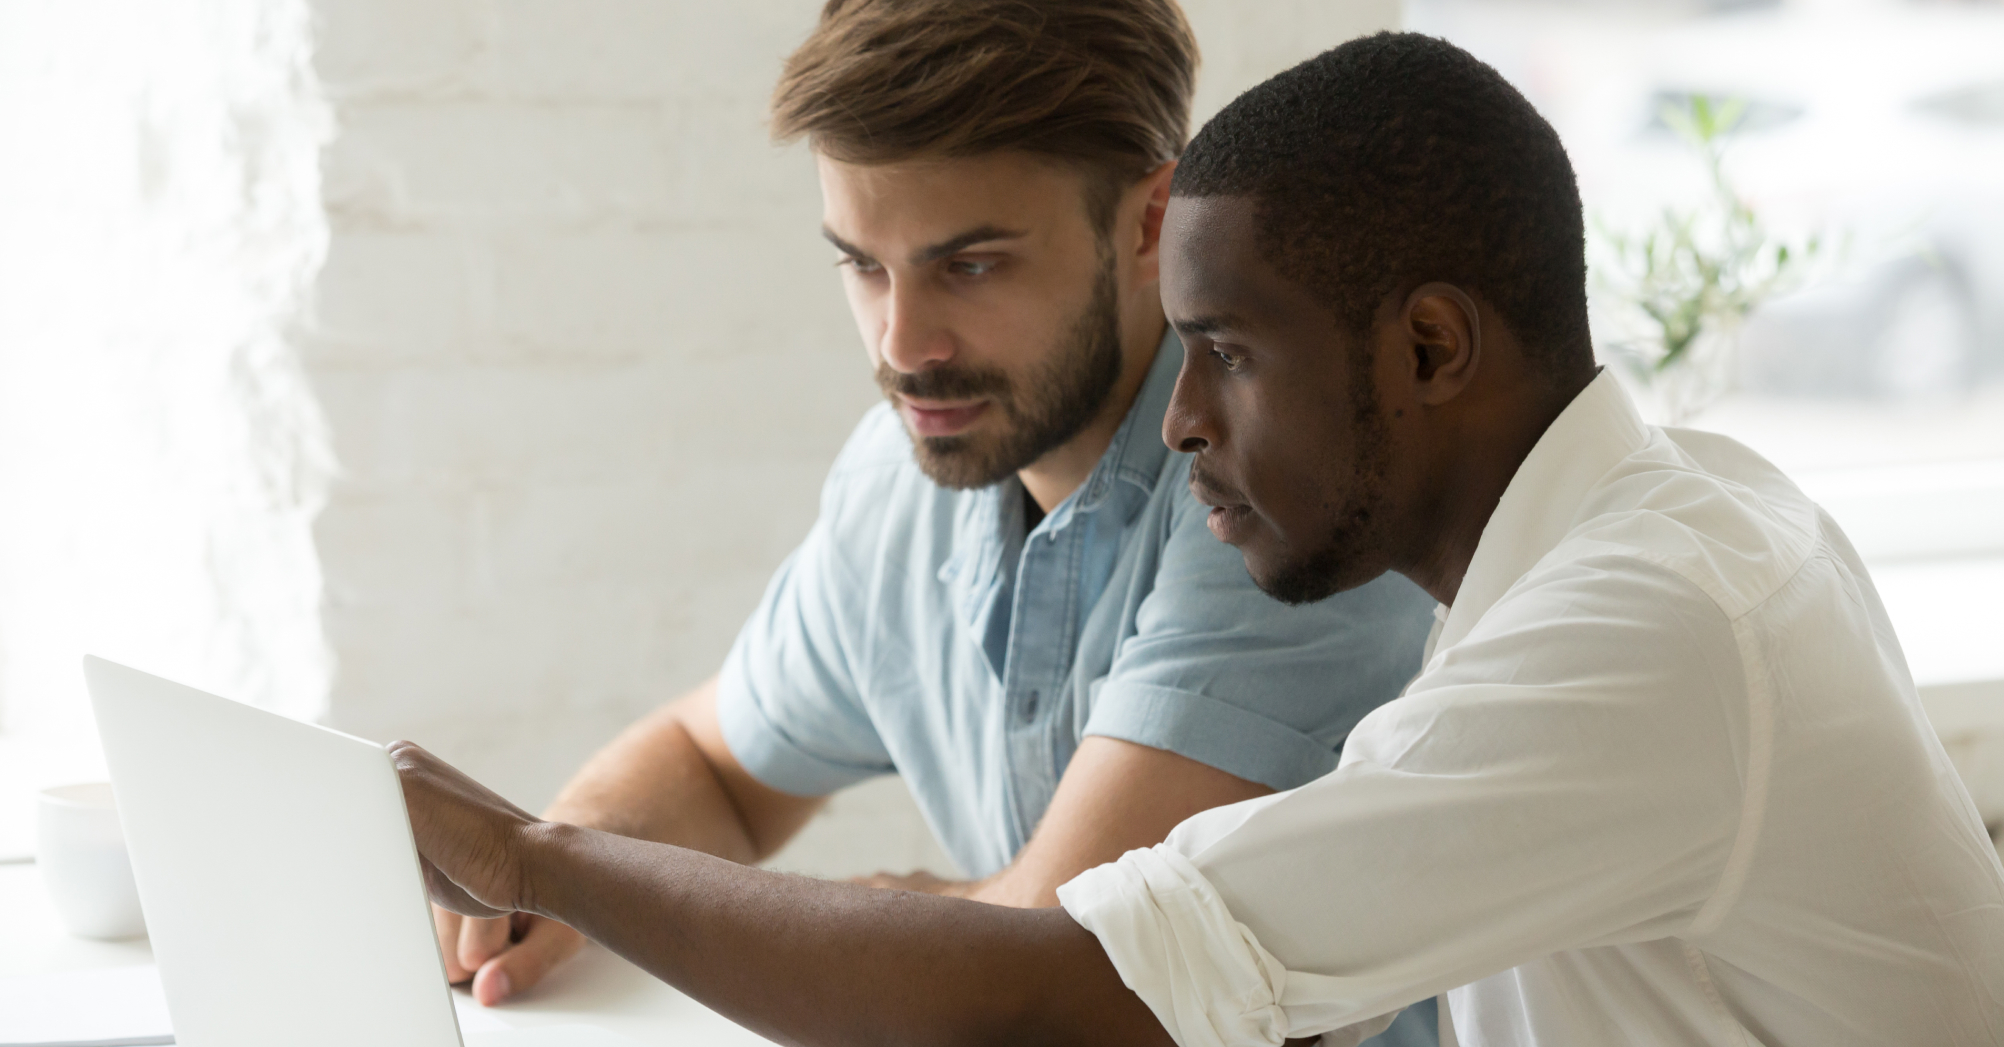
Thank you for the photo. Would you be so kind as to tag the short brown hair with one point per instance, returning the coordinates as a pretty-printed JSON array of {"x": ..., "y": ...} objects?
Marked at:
[{"x": 1103, "y": 85}]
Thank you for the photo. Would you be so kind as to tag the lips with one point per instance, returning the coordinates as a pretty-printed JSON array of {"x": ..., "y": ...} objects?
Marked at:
[
  {"x": 1231, "y": 525},
  {"x": 941, "y": 419},
  {"x": 1230, "y": 520}
]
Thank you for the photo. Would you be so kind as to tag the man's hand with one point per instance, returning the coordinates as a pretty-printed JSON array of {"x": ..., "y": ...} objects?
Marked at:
[
  {"x": 669, "y": 778},
  {"x": 468, "y": 839},
  {"x": 502, "y": 955}
]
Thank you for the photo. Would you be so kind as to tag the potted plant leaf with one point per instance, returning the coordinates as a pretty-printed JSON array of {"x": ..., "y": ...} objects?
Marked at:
[{"x": 1683, "y": 286}]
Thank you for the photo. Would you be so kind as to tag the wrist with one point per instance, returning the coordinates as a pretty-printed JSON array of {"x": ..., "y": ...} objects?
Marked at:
[{"x": 543, "y": 852}]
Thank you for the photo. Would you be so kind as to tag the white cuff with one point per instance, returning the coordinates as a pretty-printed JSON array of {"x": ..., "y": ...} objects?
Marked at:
[{"x": 1175, "y": 944}]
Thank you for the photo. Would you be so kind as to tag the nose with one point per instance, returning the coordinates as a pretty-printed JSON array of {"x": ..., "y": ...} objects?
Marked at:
[
  {"x": 1189, "y": 425},
  {"x": 914, "y": 337}
]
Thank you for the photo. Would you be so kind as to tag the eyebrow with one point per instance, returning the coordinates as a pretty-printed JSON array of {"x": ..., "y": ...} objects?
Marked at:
[
  {"x": 955, "y": 245},
  {"x": 1211, "y": 324},
  {"x": 944, "y": 249},
  {"x": 843, "y": 245}
]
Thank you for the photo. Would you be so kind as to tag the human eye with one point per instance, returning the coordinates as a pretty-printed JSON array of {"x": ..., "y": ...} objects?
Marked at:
[
  {"x": 1229, "y": 359},
  {"x": 861, "y": 265},
  {"x": 971, "y": 266}
]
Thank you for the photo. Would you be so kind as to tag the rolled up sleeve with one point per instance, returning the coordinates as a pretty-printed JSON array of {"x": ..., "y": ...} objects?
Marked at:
[
  {"x": 1247, "y": 742},
  {"x": 1203, "y": 973},
  {"x": 787, "y": 702}
]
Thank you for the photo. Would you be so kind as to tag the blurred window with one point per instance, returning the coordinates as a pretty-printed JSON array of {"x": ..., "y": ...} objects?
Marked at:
[
  {"x": 1980, "y": 104},
  {"x": 1879, "y": 128},
  {"x": 159, "y": 465}
]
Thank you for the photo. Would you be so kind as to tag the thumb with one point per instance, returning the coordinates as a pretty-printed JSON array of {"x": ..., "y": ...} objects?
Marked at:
[{"x": 545, "y": 944}]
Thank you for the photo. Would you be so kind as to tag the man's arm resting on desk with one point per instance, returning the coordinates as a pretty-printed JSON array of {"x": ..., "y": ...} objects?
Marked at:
[
  {"x": 1115, "y": 796},
  {"x": 802, "y": 961},
  {"x": 669, "y": 778}
]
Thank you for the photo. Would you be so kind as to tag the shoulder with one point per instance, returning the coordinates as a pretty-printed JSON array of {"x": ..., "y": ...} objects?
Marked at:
[
  {"x": 1704, "y": 508},
  {"x": 875, "y": 469},
  {"x": 1608, "y": 652},
  {"x": 1588, "y": 591},
  {"x": 878, "y": 444}
]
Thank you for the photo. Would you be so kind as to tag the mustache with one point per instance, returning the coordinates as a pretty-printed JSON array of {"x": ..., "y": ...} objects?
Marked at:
[
  {"x": 1217, "y": 493},
  {"x": 943, "y": 383}
]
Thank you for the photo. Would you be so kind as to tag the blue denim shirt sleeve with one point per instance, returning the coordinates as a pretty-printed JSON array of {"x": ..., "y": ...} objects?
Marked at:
[
  {"x": 788, "y": 698},
  {"x": 1221, "y": 673}
]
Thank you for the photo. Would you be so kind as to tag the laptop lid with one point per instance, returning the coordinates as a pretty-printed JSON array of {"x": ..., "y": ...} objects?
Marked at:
[{"x": 276, "y": 869}]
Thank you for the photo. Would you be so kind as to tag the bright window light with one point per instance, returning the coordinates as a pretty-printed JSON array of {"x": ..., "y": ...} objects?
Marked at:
[{"x": 161, "y": 457}]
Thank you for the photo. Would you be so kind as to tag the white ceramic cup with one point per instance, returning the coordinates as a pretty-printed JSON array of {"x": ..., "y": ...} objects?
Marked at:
[{"x": 82, "y": 856}]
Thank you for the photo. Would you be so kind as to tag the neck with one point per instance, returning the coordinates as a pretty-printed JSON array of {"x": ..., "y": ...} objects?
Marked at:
[
  {"x": 1064, "y": 469},
  {"x": 1476, "y": 463}
]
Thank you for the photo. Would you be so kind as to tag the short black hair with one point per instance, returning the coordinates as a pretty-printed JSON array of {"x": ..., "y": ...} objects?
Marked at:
[{"x": 1399, "y": 158}]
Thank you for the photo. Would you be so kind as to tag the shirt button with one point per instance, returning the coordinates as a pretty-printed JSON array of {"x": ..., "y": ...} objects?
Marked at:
[{"x": 1030, "y": 704}]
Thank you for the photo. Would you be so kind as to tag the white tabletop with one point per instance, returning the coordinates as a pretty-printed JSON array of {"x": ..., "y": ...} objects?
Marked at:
[{"x": 594, "y": 988}]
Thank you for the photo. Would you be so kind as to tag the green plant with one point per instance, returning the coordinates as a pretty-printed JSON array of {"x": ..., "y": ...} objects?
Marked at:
[{"x": 1701, "y": 269}]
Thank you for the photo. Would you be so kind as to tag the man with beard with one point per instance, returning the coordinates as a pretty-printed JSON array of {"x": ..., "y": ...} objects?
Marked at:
[
  {"x": 1010, "y": 597},
  {"x": 1663, "y": 779}
]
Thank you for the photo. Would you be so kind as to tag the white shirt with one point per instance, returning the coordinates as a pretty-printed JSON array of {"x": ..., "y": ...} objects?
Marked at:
[{"x": 1663, "y": 780}]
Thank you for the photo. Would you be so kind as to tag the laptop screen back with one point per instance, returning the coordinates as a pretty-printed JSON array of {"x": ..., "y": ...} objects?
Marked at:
[{"x": 276, "y": 869}]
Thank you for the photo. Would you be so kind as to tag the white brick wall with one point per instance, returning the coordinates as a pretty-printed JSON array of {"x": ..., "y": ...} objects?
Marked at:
[{"x": 585, "y": 363}]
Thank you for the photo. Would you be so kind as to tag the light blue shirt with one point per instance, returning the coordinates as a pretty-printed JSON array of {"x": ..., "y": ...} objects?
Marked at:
[{"x": 919, "y": 631}]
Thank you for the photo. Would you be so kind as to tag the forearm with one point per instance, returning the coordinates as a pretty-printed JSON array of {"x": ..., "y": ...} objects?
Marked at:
[
  {"x": 671, "y": 778},
  {"x": 652, "y": 783},
  {"x": 812, "y": 962}
]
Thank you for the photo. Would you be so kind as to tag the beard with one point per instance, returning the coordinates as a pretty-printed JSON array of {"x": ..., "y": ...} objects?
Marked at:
[
  {"x": 1352, "y": 540},
  {"x": 1043, "y": 409}
]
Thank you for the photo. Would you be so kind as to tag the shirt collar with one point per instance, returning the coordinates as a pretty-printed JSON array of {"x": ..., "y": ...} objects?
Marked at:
[
  {"x": 1130, "y": 466},
  {"x": 1541, "y": 504},
  {"x": 1136, "y": 454}
]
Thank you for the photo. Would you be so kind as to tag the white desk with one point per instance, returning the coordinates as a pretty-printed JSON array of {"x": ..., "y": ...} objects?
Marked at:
[{"x": 594, "y": 988}]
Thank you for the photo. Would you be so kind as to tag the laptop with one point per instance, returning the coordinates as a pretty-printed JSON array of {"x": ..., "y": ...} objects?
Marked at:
[{"x": 278, "y": 875}]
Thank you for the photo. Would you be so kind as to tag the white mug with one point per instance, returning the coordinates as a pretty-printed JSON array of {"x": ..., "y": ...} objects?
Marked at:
[{"x": 83, "y": 862}]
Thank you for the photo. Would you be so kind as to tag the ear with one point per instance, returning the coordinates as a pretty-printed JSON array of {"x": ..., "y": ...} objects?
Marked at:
[
  {"x": 1154, "y": 193},
  {"x": 1443, "y": 332}
]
